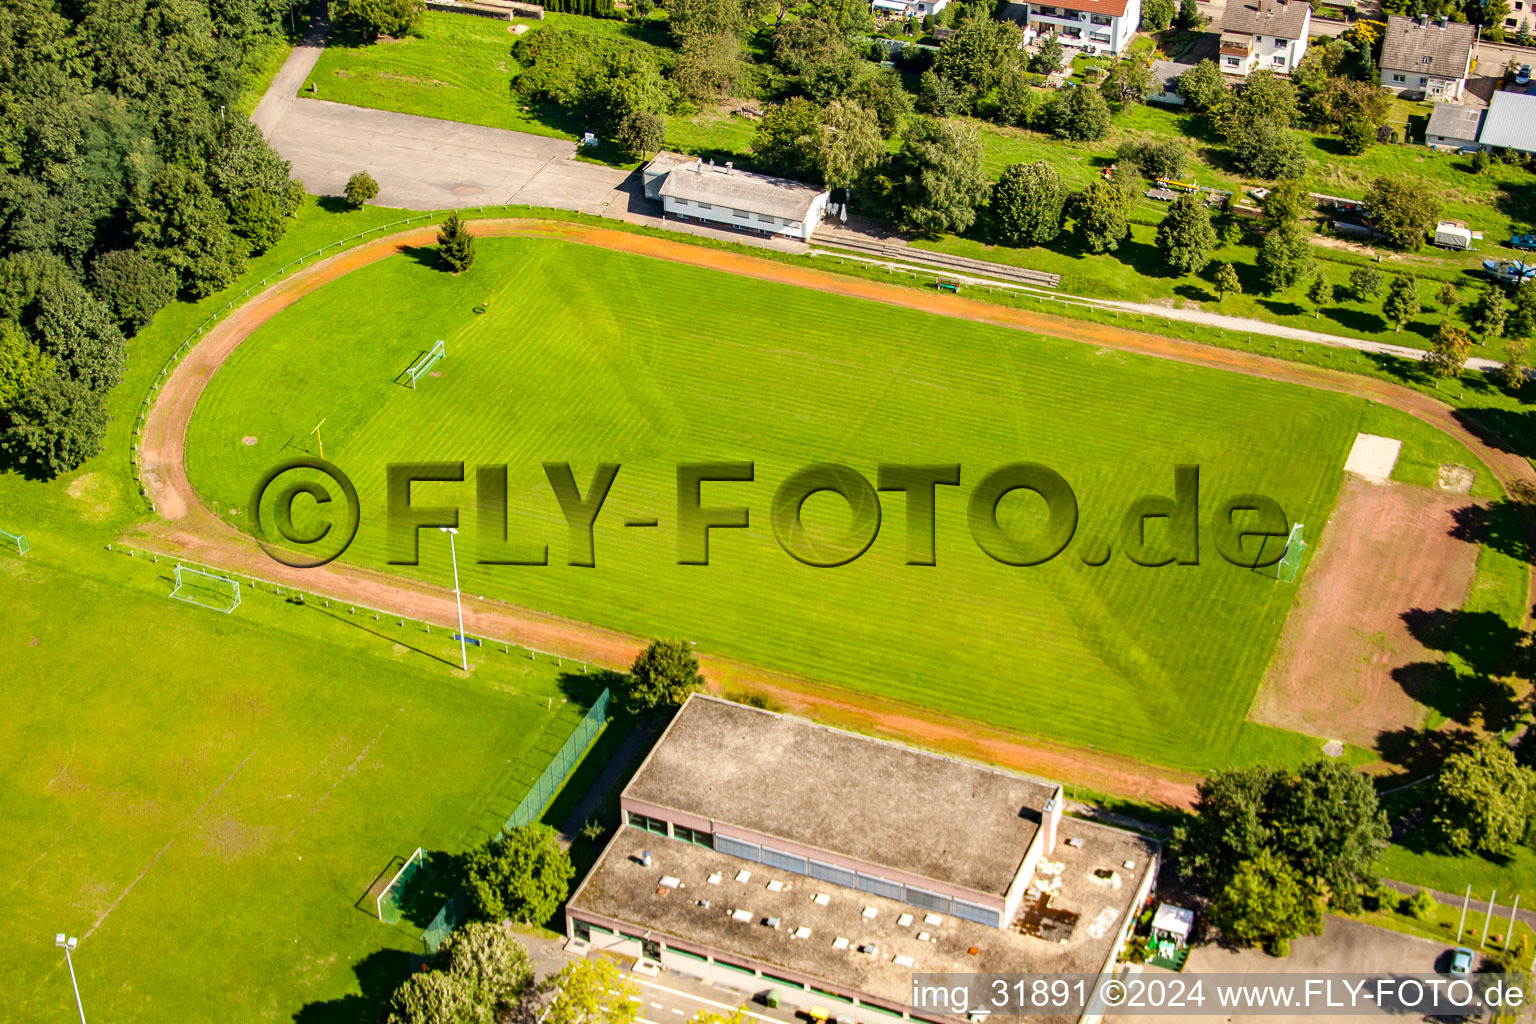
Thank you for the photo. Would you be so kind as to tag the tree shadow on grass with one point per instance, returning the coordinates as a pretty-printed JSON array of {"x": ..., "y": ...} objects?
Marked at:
[
  {"x": 378, "y": 975},
  {"x": 1423, "y": 751},
  {"x": 335, "y": 204},
  {"x": 1194, "y": 293},
  {"x": 1357, "y": 320},
  {"x": 1497, "y": 525},
  {"x": 1280, "y": 308},
  {"x": 1465, "y": 687},
  {"x": 427, "y": 256}
]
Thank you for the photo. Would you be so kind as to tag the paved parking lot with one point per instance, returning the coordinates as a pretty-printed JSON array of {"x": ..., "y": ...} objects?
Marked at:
[
  {"x": 1344, "y": 947},
  {"x": 427, "y": 164}
]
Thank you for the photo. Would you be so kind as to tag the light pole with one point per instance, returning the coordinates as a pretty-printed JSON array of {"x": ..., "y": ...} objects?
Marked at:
[
  {"x": 453, "y": 555},
  {"x": 67, "y": 944}
]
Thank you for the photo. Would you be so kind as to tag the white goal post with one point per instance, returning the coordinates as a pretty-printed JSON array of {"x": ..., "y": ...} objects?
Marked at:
[
  {"x": 412, "y": 864},
  {"x": 425, "y": 363},
  {"x": 206, "y": 590}
]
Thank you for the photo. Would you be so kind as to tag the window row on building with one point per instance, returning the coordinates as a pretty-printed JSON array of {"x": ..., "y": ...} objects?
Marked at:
[{"x": 862, "y": 881}]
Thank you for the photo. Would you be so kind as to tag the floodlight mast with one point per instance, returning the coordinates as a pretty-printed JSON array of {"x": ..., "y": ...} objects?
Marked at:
[
  {"x": 68, "y": 943},
  {"x": 453, "y": 556}
]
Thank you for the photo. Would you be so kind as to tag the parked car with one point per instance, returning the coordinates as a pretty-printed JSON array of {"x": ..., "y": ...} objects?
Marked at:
[
  {"x": 1523, "y": 76},
  {"x": 1461, "y": 960},
  {"x": 1523, "y": 242}
]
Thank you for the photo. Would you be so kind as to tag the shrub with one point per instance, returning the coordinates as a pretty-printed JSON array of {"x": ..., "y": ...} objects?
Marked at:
[{"x": 360, "y": 188}]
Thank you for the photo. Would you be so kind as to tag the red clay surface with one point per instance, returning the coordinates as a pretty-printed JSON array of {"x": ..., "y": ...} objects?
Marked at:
[
  {"x": 190, "y": 530},
  {"x": 1387, "y": 550}
]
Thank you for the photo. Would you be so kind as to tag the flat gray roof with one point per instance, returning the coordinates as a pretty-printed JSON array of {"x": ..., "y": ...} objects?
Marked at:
[
  {"x": 883, "y": 803},
  {"x": 1085, "y": 913},
  {"x": 1511, "y": 121},
  {"x": 1455, "y": 122}
]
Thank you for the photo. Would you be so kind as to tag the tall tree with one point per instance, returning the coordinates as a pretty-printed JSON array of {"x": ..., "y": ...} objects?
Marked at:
[
  {"x": 593, "y": 991},
  {"x": 455, "y": 244},
  {"x": 1080, "y": 115},
  {"x": 1285, "y": 258},
  {"x": 1265, "y": 904},
  {"x": 979, "y": 52},
  {"x": 1227, "y": 281},
  {"x": 488, "y": 957},
  {"x": 1202, "y": 86},
  {"x": 1287, "y": 203},
  {"x": 1185, "y": 237},
  {"x": 1448, "y": 350},
  {"x": 435, "y": 997},
  {"x": 1101, "y": 215},
  {"x": 1402, "y": 210},
  {"x": 1402, "y": 302},
  {"x": 1365, "y": 283},
  {"x": 374, "y": 18},
  {"x": 1489, "y": 314},
  {"x": 22, "y": 364},
  {"x": 1027, "y": 203},
  {"x": 663, "y": 675},
  {"x": 937, "y": 175},
  {"x": 1129, "y": 79},
  {"x": 1322, "y": 821},
  {"x": 1482, "y": 801},
  {"x": 523, "y": 874},
  {"x": 1320, "y": 293}
]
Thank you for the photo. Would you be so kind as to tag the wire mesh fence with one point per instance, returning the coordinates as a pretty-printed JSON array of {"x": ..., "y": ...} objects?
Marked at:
[
  {"x": 555, "y": 775},
  {"x": 561, "y": 765}
]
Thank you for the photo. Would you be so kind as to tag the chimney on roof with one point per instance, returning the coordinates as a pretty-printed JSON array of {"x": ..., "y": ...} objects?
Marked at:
[
  {"x": 1050, "y": 818},
  {"x": 728, "y": 167},
  {"x": 1443, "y": 21},
  {"x": 1423, "y": 21}
]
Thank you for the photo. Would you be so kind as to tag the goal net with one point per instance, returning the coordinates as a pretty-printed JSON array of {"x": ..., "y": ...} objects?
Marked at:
[
  {"x": 425, "y": 364},
  {"x": 1290, "y": 561},
  {"x": 206, "y": 590},
  {"x": 15, "y": 540},
  {"x": 390, "y": 903}
]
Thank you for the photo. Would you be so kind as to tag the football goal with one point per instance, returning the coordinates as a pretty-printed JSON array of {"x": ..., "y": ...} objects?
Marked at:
[
  {"x": 390, "y": 903},
  {"x": 206, "y": 590},
  {"x": 424, "y": 364},
  {"x": 15, "y": 540},
  {"x": 1290, "y": 561}
]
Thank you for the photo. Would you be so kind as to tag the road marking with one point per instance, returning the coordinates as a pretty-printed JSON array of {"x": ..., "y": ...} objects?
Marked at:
[
  {"x": 657, "y": 1006},
  {"x": 710, "y": 1002},
  {"x": 680, "y": 1013}
]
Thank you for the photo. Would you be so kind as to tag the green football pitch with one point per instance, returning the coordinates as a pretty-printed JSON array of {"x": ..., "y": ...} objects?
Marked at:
[
  {"x": 583, "y": 355},
  {"x": 206, "y": 799}
]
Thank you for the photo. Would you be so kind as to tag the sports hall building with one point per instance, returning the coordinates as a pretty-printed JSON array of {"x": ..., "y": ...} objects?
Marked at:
[{"x": 766, "y": 852}]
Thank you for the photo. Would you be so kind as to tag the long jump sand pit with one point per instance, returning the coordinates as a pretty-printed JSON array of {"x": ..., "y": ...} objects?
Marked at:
[{"x": 1388, "y": 550}]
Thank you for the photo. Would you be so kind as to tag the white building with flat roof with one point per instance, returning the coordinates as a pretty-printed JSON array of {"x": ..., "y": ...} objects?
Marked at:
[
  {"x": 691, "y": 189},
  {"x": 766, "y": 852}
]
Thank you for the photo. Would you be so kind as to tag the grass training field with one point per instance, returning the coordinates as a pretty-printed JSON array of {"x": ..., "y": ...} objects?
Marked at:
[
  {"x": 591, "y": 356},
  {"x": 206, "y": 799},
  {"x": 461, "y": 69}
]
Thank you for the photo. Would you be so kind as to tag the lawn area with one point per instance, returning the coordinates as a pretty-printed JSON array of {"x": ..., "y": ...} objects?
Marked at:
[
  {"x": 669, "y": 363},
  {"x": 235, "y": 782},
  {"x": 458, "y": 69}
]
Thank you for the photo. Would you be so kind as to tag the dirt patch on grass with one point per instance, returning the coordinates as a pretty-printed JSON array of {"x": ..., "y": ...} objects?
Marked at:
[
  {"x": 1387, "y": 551},
  {"x": 1454, "y": 479},
  {"x": 96, "y": 493},
  {"x": 390, "y": 76}
]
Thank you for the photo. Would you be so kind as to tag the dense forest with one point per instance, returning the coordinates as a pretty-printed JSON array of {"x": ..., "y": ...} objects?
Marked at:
[{"x": 125, "y": 181}]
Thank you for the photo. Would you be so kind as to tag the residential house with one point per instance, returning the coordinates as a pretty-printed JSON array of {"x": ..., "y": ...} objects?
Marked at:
[
  {"x": 1426, "y": 59},
  {"x": 1264, "y": 35},
  {"x": 1164, "y": 74},
  {"x": 907, "y": 8},
  {"x": 1510, "y": 123},
  {"x": 1097, "y": 26},
  {"x": 1453, "y": 126},
  {"x": 690, "y": 189}
]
